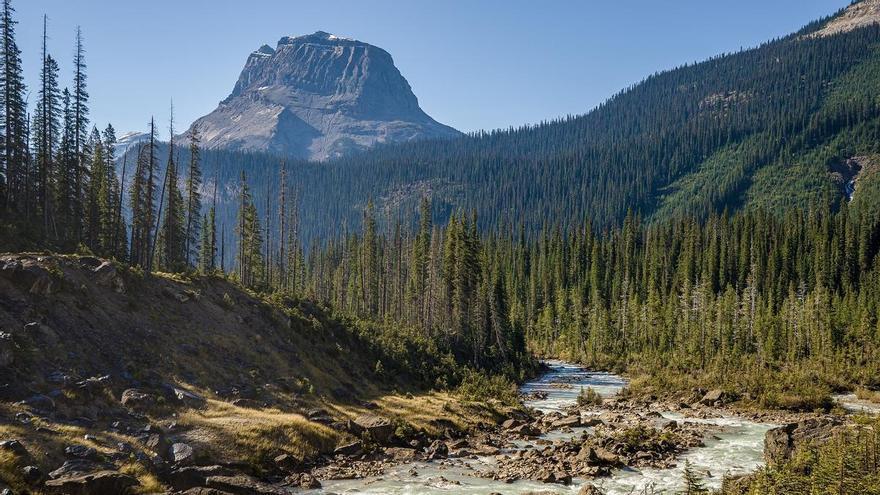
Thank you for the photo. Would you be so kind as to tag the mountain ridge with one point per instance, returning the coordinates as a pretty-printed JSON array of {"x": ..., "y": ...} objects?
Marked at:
[{"x": 318, "y": 96}]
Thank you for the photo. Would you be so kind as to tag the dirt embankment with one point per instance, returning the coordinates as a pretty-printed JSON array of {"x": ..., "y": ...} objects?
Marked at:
[{"x": 110, "y": 380}]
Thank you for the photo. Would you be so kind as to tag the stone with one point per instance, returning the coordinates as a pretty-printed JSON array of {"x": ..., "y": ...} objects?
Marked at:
[
  {"x": 562, "y": 477},
  {"x": 157, "y": 443},
  {"x": 286, "y": 462},
  {"x": 181, "y": 453},
  {"x": 31, "y": 475},
  {"x": 567, "y": 422},
  {"x": 184, "y": 478},
  {"x": 39, "y": 402},
  {"x": 714, "y": 397},
  {"x": 438, "y": 450},
  {"x": 81, "y": 452},
  {"x": 589, "y": 489},
  {"x": 605, "y": 457},
  {"x": 350, "y": 449},
  {"x": 106, "y": 275},
  {"x": 780, "y": 443},
  {"x": 15, "y": 448},
  {"x": 309, "y": 482},
  {"x": 75, "y": 467},
  {"x": 138, "y": 400},
  {"x": 242, "y": 485},
  {"x": 401, "y": 454},
  {"x": 99, "y": 483},
  {"x": 510, "y": 423},
  {"x": 187, "y": 398},
  {"x": 379, "y": 428},
  {"x": 525, "y": 430},
  {"x": 7, "y": 350}
]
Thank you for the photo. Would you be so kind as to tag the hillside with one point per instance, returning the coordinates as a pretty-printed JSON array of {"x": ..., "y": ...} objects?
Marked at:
[
  {"x": 772, "y": 126},
  {"x": 95, "y": 355}
]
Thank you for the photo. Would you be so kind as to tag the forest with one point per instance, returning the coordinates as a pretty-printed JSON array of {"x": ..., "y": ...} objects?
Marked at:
[{"x": 721, "y": 287}]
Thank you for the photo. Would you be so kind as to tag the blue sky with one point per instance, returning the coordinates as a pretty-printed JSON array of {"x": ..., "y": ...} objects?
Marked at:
[{"x": 472, "y": 64}]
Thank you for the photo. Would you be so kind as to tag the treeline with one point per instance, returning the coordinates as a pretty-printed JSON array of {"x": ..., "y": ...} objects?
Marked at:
[
  {"x": 734, "y": 298},
  {"x": 58, "y": 186}
]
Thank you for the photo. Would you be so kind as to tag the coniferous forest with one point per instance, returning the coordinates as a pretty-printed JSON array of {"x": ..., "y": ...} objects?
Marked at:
[{"x": 716, "y": 226}]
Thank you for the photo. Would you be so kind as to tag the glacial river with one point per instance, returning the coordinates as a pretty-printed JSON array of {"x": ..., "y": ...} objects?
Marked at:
[{"x": 738, "y": 449}]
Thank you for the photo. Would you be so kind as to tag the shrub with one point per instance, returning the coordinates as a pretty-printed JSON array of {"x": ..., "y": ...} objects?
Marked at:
[{"x": 589, "y": 397}]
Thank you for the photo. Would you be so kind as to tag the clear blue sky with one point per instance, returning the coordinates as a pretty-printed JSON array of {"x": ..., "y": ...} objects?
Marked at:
[{"x": 473, "y": 64}]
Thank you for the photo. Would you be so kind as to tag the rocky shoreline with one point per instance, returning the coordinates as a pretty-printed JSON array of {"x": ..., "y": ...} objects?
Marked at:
[{"x": 586, "y": 442}]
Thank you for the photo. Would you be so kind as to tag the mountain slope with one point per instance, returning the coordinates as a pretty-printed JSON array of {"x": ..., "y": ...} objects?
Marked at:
[
  {"x": 773, "y": 126},
  {"x": 316, "y": 97}
]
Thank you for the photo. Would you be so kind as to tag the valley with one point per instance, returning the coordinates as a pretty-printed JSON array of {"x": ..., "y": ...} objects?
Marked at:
[{"x": 319, "y": 289}]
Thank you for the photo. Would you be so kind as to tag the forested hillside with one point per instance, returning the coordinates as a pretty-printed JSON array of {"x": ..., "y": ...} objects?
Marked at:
[
  {"x": 793, "y": 296},
  {"x": 776, "y": 126}
]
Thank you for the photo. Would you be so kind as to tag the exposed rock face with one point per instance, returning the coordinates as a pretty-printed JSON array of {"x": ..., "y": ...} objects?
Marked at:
[
  {"x": 857, "y": 15},
  {"x": 780, "y": 443},
  {"x": 318, "y": 96}
]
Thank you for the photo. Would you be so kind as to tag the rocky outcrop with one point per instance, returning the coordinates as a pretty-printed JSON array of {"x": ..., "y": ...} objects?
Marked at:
[
  {"x": 100, "y": 483},
  {"x": 780, "y": 443},
  {"x": 318, "y": 96}
]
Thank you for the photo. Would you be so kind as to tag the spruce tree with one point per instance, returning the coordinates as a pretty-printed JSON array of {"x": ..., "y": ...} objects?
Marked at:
[
  {"x": 171, "y": 239},
  {"x": 14, "y": 114},
  {"x": 80, "y": 110},
  {"x": 249, "y": 259},
  {"x": 193, "y": 200},
  {"x": 47, "y": 129}
]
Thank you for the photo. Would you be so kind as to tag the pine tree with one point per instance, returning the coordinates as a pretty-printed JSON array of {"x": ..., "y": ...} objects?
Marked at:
[
  {"x": 208, "y": 253},
  {"x": 14, "y": 114},
  {"x": 80, "y": 110},
  {"x": 65, "y": 188},
  {"x": 249, "y": 258},
  {"x": 171, "y": 249},
  {"x": 693, "y": 485},
  {"x": 193, "y": 200},
  {"x": 97, "y": 197},
  {"x": 141, "y": 201},
  {"x": 47, "y": 127}
]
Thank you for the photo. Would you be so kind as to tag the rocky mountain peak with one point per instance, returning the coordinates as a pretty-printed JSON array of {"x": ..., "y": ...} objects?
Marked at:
[{"x": 318, "y": 96}]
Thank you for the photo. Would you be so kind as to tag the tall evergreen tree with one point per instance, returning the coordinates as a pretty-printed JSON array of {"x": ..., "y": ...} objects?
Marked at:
[
  {"x": 14, "y": 114},
  {"x": 249, "y": 259},
  {"x": 47, "y": 129},
  {"x": 171, "y": 239},
  {"x": 193, "y": 199},
  {"x": 80, "y": 110}
]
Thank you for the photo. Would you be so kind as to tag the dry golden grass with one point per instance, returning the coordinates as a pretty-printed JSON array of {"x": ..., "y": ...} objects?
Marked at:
[
  {"x": 423, "y": 411},
  {"x": 148, "y": 482},
  {"x": 235, "y": 434},
  {"x": 868, "y": 395}
]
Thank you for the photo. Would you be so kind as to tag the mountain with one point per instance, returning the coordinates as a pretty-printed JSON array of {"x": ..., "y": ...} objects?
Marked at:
[
  {"x": 790, "y": 124},
  {"x": 317, "y": 97}
]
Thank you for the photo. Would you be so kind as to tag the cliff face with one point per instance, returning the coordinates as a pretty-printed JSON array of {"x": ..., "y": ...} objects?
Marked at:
[{"x": 318, "y": 96}]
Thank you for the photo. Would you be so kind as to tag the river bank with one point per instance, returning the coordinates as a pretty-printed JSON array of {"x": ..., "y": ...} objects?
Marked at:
[{"x": 619, "y": 445}]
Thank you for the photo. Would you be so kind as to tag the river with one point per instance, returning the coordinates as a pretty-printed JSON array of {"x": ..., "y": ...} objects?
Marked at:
[{"x": 738, "y": 449}]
